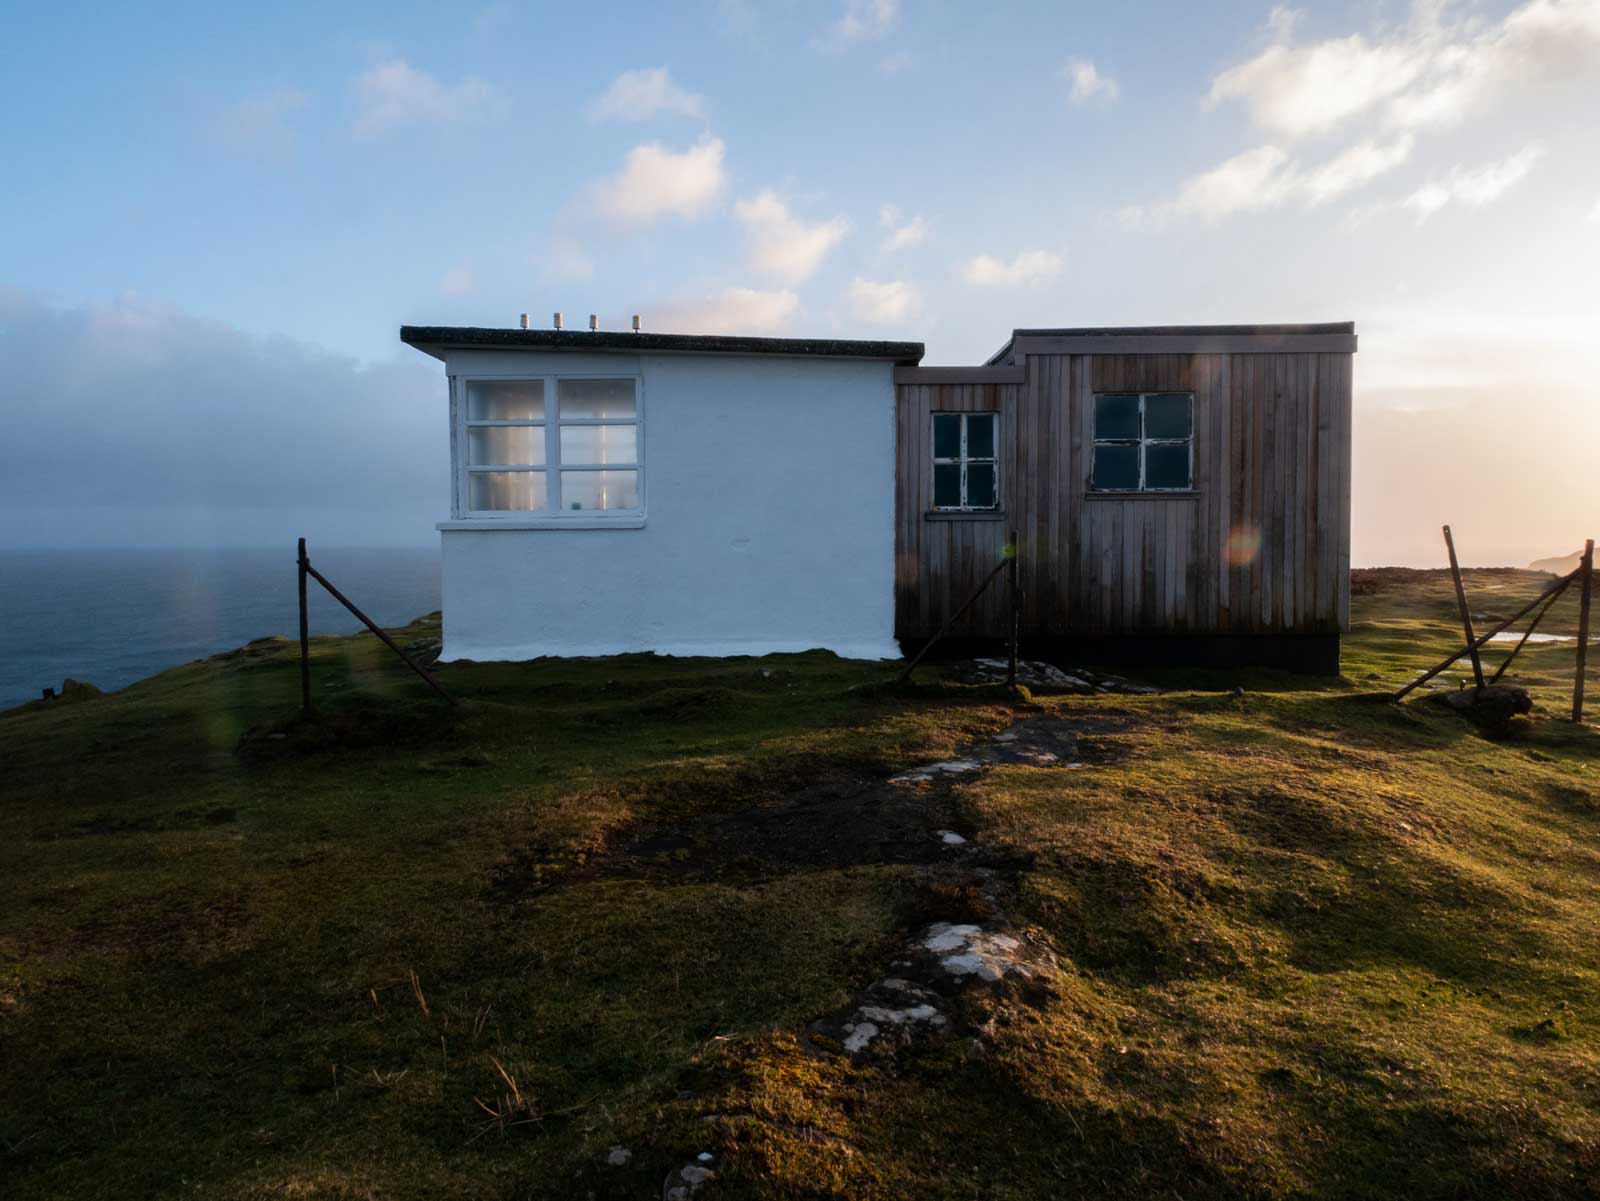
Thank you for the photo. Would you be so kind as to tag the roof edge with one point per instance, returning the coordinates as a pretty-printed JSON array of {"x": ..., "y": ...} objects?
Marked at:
[{"x": 432, "y": 338}]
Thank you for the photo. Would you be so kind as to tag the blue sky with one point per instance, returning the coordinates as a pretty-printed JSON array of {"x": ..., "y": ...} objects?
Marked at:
[{"x": 278, "y": 186}]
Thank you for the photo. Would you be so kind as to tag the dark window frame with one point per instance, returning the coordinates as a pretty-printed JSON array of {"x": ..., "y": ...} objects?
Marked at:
[
  {"x": 1143, "y": 442},
  {"x": 963, "y": 460}
]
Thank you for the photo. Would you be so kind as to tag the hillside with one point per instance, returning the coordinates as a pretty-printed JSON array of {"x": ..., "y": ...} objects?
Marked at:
[{"x": 609, "y": 915}]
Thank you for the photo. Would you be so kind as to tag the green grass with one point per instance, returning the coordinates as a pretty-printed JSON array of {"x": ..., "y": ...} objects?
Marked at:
[{"x": 1316, "y": 945}]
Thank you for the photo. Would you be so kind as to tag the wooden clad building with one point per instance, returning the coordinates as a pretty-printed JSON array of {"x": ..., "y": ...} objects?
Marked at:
[{"x": 1177, "y": 492}]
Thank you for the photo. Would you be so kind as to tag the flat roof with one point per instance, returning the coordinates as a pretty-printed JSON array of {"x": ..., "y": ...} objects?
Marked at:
[
  {"x": 432, "y": 338},
  {"x": 1133, "y": 336}
]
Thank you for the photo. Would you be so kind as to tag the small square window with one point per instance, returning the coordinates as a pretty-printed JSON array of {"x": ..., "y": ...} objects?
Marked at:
[{"x": 1143, "y": 442}]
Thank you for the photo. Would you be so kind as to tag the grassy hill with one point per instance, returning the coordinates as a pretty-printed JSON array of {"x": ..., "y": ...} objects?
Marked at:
[{"x": 1311, "y": 944}]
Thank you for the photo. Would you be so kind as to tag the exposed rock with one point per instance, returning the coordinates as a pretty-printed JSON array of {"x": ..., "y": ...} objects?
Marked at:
[
  {"x": 1492, "y": 705},
  {"x": 1033, "y": 741},
  {"x": 618, "y": 1157},
  {"x": 683, "y": 1183},
  {"x": 950, "y": 838},
  {"x": 1042, "y": 677}
]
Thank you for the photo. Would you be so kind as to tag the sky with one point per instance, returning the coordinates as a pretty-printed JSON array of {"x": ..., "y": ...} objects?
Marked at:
[{"x": 217, "y": 216}]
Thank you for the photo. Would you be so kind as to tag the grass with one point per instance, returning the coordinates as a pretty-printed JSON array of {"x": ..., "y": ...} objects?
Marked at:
[{"x": 1317, "y": 945}]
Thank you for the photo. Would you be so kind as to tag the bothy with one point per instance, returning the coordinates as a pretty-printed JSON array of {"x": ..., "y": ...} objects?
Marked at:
[{"x": 1180, "y": 492}]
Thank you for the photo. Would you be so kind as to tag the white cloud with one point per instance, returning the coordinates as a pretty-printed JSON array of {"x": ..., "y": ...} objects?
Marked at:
[
  {"x": 783, "y": 245},
  {"x": 1087, "y": 82},
  {"x": 884, "y": 302},
  {"x": 864, "y": 20},
  {"x": 637, "y": 95},
  {"x": 1028, "y": 267},
  {"x": 1268, "y": 177},
  {"x": 263, "y": 117},
  {"x": 731, "y": 311},
  {"x": 1474, "y": 187},
  {"x": 903, "y": 233},
  {"x": 394, "y": 92},
  {"x": 1433, "y": 70},
  {"x": 657, "y": 182}
]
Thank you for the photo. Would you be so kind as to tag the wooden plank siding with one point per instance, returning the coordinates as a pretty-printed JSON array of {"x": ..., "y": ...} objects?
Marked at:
[{"x": 1261, "y": 545}]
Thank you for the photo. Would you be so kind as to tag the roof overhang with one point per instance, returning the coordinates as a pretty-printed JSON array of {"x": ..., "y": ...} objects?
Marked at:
[
  {"x": 436, "y": 340},
  {"x": 1334, "y": 337}
]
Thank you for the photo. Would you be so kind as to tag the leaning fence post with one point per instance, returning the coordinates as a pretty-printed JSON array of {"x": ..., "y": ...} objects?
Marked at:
[
  {"x": 305, "y": 647},
  {"x": 1587, "y": 568},
  {"x": 1016, "y": 610},
  {"x": 1466, "y": 613}
]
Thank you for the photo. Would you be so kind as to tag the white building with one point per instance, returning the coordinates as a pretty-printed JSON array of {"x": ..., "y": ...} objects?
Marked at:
[{"x": 688, "y": 495}]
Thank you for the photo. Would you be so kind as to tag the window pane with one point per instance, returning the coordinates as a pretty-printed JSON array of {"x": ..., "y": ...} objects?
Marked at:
[
  {"x": 1166, "y": 466},
  {"x": 505, "y": 400},
  {"x": 505, "y": 446},
  {"x": 980, "y": 436},
  {"x": 599, "y": 490},
  {"x": 1116, "y": 467},
  {"x": 1167, "y": 415},
  {"x": 506, "y": 491},
  {"x": 599, "y": 444},
  {"x": 980, "y": 485},
  {"x": 589, "y": 399},
  {"x": 947, "y": 435},
  {"x": 946, "y": 486},
  {"x": 1116, "y": 415}
]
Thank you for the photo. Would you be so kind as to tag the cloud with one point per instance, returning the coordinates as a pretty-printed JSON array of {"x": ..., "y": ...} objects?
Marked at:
[
  {"x": 1435, "y": 69},
  {"x": 903, "y": 233},
  {"x": 657, "y": 182},
  {"x": 150, "y": 425},
  {"x": 783, "y": 245},
  {"x": 1474, "y": 187},
  {"x": 394, "y": 93},
  {"x": 637, "y": 95},
  {"x": 1269, "y": 177},
  {"x": 263, "y": 117},
  {"x": 1087, "y": 82},
  {"x": 456, "y": 282},
  {"x": 864, "y": 21},
  {"x": 1028, "y": 267},
  {"x": 883, "y": 302},
  {"x": 731, "y": 311}
]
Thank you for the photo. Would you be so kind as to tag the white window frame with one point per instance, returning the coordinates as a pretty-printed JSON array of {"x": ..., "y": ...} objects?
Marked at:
[
  {"x": 964, "y": 459},
  {"x": 552, "y": 516},
  {"x": 1143, "y": 442}
]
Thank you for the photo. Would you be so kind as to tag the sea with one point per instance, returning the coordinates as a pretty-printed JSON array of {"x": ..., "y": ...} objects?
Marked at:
[{"x": 116, "y": 616}]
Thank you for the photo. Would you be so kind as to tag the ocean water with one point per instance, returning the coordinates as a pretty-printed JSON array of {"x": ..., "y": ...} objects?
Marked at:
[{"x": 113, "y": 617}]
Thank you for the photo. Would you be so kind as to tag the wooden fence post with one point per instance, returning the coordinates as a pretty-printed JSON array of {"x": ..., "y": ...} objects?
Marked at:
[
  {"x": 1016, "y": 611},
  {"x": 1466, "y": 614},
  {"x": 305, "y": 646},
  {"x": 1587, "y": 569}
]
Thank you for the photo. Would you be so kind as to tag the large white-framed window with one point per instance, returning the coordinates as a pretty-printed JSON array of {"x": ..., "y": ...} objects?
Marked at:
[
  {"x": 1143, "y": 442},
  {"x": 552, "y": 448},
  {"x": 966, "y": 463}
]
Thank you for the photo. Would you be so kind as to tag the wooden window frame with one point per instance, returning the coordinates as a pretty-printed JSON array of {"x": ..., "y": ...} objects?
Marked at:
[
  {"x": 963, "y": 459},
  {"x": 1143, "y": 442},
  {"x": 552, "y": 516}
]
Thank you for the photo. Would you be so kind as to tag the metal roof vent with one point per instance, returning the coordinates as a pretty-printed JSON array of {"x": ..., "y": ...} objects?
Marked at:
[
  {"x": 524, "y": 321},
  {"x": 558, "y": 320},
  {"x": 636, "y": 323},
  {"x": 594, "y": 323}
]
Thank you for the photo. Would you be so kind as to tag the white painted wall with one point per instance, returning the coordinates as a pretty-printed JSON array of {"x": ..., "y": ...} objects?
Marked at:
[{"x": 769, "y": 521}]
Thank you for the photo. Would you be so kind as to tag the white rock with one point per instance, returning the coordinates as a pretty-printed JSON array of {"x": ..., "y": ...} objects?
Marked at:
[
  {"x": 705, "y": 1157},
  {"x": 618, "y": 1156},
  {"x": 951, "y": 838},
  {"x": 862, "y": 1035}
]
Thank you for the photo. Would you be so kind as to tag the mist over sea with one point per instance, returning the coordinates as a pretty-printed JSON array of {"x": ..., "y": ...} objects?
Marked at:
[{"x": 113, "y": 617}]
